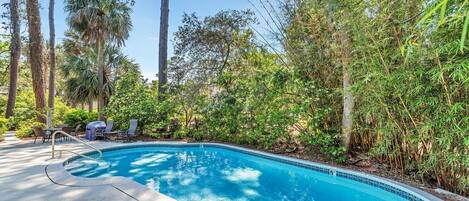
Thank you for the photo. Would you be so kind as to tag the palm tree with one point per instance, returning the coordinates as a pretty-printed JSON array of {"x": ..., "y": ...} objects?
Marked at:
[
  {"x": 35, "y": 56},
  {"x": 81, "y": 80},
  {"x": 163, "y": 48},
  {"x": 81, "y": 72},
  {"x": 15, "y": 53},
  {"x": 100, "y": 22},
  {"x": 72, "y": 43},
  {"x": 117, "y": 63},
  {"x": 51, "y": 55}
]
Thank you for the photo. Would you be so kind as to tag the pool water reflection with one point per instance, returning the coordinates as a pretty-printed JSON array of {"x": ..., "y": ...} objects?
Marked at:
[{"x": 210, "y": 173}]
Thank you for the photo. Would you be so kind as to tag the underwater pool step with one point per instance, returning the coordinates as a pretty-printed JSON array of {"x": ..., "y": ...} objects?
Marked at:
[
  {"x": 82, "y": 169},
  {"x": 95, "y": 172},
  {"x": 73, "y": 166},
  {"x": 89, "y": 167}
]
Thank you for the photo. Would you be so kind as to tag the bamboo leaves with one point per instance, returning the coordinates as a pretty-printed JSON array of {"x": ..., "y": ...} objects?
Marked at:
[
  {"x": 444, "y": 4},
  {"x": 457, "y": 11},
  {"x": 440, "y": 6}
]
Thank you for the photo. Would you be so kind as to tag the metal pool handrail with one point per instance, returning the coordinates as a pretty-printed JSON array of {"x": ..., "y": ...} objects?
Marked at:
[{"x": 76, "y": 139}]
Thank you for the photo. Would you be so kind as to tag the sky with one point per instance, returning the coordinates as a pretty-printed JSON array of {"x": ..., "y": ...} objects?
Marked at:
[{"x": 142, "y": 44}]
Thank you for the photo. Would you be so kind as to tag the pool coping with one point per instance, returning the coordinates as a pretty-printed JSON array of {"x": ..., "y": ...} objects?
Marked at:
[{"x": 58, "y": 174}]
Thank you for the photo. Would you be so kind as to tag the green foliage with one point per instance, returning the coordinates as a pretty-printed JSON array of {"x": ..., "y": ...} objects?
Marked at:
[
  {"x": 3, "y": 127},
  {"x": 410, "y": 81},
  {"x": 181, "y": 134},
  {"x": 80, "y": 69},
  {"x": 76, "y": 117},
  {"x": 189, "y": 100},
  {"x": 454, "y": 13},
  {"x": 134, "y": 100},
  {"x": 4, "y": 59},
  {"x": 250, "y": 99},
  {"x": 109, "y": 19},
  {"x": 204, "y": 48},
  {"x": 24, "y": 109},
  {"x": 3, "y": 104},
  {"x": 60, "y": 110},
  {"x": 26, "y": 129}
]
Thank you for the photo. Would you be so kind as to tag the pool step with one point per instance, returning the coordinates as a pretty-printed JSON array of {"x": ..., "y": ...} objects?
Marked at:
[
  {"x": 95, "y": 172},
  {"x": 86, "y": 168},
  {"x": 82, "y": 169},
  {"x": 74, "y": 166}
]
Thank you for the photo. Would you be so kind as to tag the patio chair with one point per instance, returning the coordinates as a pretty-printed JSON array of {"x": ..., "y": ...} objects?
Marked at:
[
  {"x": 39, "y": 132},
  {"x": 107, "y": 131},
  {"x": 75, "y": 131},
  {"x": 131, "y": 132},
  {"x": 66, "y": 129}
]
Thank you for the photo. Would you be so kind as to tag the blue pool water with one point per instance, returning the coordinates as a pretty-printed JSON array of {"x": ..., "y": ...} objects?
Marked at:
[{"x": 211, "y": 173}]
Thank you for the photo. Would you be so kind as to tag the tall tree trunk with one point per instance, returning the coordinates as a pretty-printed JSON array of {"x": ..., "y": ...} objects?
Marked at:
[
  {"x": 51, "y": 55},
  {"x": 45, "y": 72},
  {"x": 100, "y": 44},
  {"x": 15, "y": 53},
  {"x": 163, "y": 48},
  {"x": 90, "y": 106},
  {"x": 344, "y": 53},
  {"x": 35, "y": 56},
  {"x": 348, "y": 102}
]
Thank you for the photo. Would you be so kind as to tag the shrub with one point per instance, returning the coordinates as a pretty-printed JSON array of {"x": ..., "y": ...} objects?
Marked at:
[
  {"x": 77, "y": 116},
  {"x": 3, "y": 127},
  {"x": 181, "y": 133},
  {"x": 145, "y": 107},
  {"x": 3, "y": 104},
  {"x": 26, "y": 129},
  {"x": 60, "y": 109},
  {"x": 24, "y": 111}
]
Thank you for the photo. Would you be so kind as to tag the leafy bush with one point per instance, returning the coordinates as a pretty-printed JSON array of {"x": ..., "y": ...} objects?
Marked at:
[
  {"x": 3, "y": 127},
  {"x": 77, "y": 116},
  {"x": 252, "y": 108},
  {"x": 26, "y": 129},
  {"x": 181, "y": 133},
  {"x": 24, "y": 110},
  {"x": 3, "y": 103},
  {"x": 60, "y": 109},
  {"x": 134, "y": 100}
]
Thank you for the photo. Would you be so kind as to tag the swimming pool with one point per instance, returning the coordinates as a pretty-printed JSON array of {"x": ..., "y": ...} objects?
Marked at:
[{"x": 219, "y": 172}]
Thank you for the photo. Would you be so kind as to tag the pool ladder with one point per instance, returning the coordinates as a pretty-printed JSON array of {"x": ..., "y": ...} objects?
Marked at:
[{"x": 73, "y": 152}]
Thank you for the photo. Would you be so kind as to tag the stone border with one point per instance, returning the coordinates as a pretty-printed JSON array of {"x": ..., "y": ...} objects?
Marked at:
[{"x": 59, "y": 175}]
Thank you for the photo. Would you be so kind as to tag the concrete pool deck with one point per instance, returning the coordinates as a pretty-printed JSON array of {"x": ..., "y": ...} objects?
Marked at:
[{"x": 23, "y": 175}]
